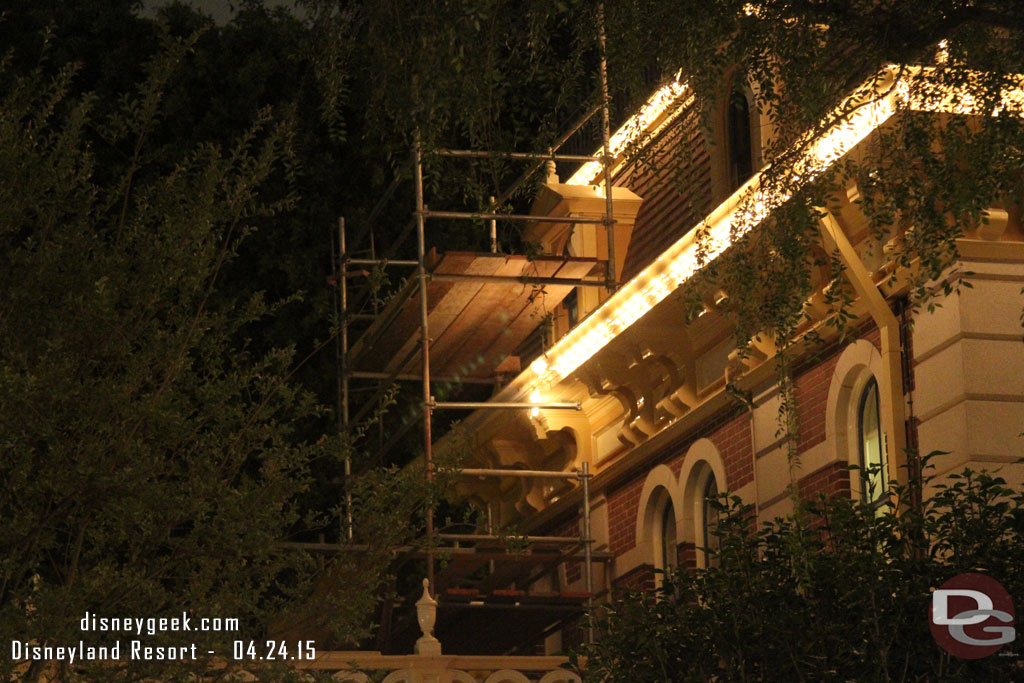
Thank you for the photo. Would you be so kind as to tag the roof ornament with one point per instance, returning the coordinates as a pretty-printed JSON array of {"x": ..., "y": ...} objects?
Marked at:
[{"x": 551, "y": 171}]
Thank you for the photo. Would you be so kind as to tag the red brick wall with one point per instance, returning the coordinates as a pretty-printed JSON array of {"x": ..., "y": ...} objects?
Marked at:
[
  {"x": 687, "y": 555},
  {"x": 811, "y": 393},
  {"x": 640, "y": 577},
  {"x": 832, "y": 480},
  {"x": 570, "y": 527},
  {"x": 873, "y": 335},
  {"x": 732, "y": 439},
  {"x": 623, "y": 504},
  {"x": 675, "y": 182},
  {"x": 731, "y": 436}
]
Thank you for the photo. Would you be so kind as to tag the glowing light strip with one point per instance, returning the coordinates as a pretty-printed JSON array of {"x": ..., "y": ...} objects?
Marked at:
[
  {"x": 638, "y": 124},
  {"x": 937, "y": 98},
  {"x": 681, "y": 261}
]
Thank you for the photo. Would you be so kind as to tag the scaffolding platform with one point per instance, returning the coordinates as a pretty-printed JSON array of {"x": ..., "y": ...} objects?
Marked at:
[{"x": 475, "y": 324}]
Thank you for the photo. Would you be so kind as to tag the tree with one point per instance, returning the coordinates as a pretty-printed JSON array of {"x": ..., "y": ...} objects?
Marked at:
[
  {"x": 839, "y": 590},
  {"x": 154, "y": 453},
  {"x": 503, "y": 76}
]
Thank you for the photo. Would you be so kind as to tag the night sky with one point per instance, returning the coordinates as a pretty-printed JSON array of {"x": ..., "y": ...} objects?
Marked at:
[{"x": 220, "y": 10}]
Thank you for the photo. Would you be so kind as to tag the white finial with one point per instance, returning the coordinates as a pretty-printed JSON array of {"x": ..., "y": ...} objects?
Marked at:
[
  {"x": 426, "y": 615},
  {"x": 552, "y": 172}
]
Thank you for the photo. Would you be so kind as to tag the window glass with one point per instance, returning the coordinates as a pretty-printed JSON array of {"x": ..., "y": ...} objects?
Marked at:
[
  {"x": 709, "y": 520},
  {"x": 872, "y": 443},
  {"x": 669, "y": 551},
  {"x": 741, "y": 165}
]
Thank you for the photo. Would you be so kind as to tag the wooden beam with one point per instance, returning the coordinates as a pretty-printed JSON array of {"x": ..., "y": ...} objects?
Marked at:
[{"x": 890, "y": 384}]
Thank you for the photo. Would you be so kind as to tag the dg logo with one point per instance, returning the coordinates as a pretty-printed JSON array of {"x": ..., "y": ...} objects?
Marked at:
[{"x": 972, "y": 616}]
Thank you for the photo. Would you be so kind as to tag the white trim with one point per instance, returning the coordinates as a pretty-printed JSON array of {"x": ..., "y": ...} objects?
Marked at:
[
  {"x": 702, "y": 460},
  {"x": 660, "y": 487},
  {"x": 507, "y": 676},
  {"x": 858, "y": 363}
]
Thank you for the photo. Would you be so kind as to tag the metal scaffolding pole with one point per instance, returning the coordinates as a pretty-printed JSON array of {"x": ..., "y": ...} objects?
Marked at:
[
  {"x": 493, "y": 225},
  {"x": 491, "y": 279},
  {"x": 468, "y": 538},
  {"x": 476, "y": 216},
  {"x": 380, "y": 262},
  {"x": 532, "y": 156},
  {"x": 380, "y": 402},
  {"x": 382, "y": 388},
  {"x": 361, "y": 374},
  {"x": 517, "y": 280},
  {"x": 421, "y": 251},
  {"x": 537, "y": 165},
  {"x": 344, "y": 372},
  {"x": 507, "y": 405},
  {"x": 492, "y": 472},
  {"x": 421, "y": 214},
  {"x": 392, "y": 248},
  {"x": 606, "y": 157},
  {"x": 588, "y": 542}
]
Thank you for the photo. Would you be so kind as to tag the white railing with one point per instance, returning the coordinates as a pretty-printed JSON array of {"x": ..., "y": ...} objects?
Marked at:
[
  {"x": 357, "y": 667},
  {"x": 428, "y": 665}
]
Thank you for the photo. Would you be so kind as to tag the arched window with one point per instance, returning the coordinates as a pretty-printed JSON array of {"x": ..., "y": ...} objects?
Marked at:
[
  {"x": 872, "y": 443},
  {"x": 657, "y": 521},
  {"x": 852, "y": 412},
  {"x": 741, "y": 164},
  {"x": 668, "y": 552},
  {"x": 709, "y": 519}
]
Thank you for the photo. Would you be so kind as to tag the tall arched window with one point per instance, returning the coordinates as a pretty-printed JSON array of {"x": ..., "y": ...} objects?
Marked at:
[
  {"x": 872, "y": 443},
  {"x": 709, "y": 519},
  {"x": 668, "y": 552},
  {"x": 741, "y": 165}
]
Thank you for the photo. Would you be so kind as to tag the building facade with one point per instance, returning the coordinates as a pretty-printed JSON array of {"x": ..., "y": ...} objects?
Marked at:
[{"x": 660, "y": 427}]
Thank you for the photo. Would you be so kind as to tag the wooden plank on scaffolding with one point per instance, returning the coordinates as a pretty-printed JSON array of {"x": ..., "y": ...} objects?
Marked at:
[
  {"x": 398, "y": 323},
  {"x": 444, "y": 303},
  {"x": 474, "y": 324},
  {"x": 488, "y": 305},
  {"x": 530, "y": 315}
]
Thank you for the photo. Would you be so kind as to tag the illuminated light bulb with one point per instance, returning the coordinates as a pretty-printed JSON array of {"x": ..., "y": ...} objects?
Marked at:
[{"x": 535, "y": 398}]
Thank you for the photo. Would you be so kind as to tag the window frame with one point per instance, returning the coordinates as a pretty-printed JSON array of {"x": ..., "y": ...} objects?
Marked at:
[
  {"x": 709, "y": 541},
  {"x": 856, "y": 365},
  {"x": 740, "y": 166},
  {"x": 868, "y": 487},
  {"x": 667, "y": 555}
]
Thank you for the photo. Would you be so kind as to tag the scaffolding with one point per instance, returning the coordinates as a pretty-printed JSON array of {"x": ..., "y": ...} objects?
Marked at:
[{"x": 343, "y": 259}]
